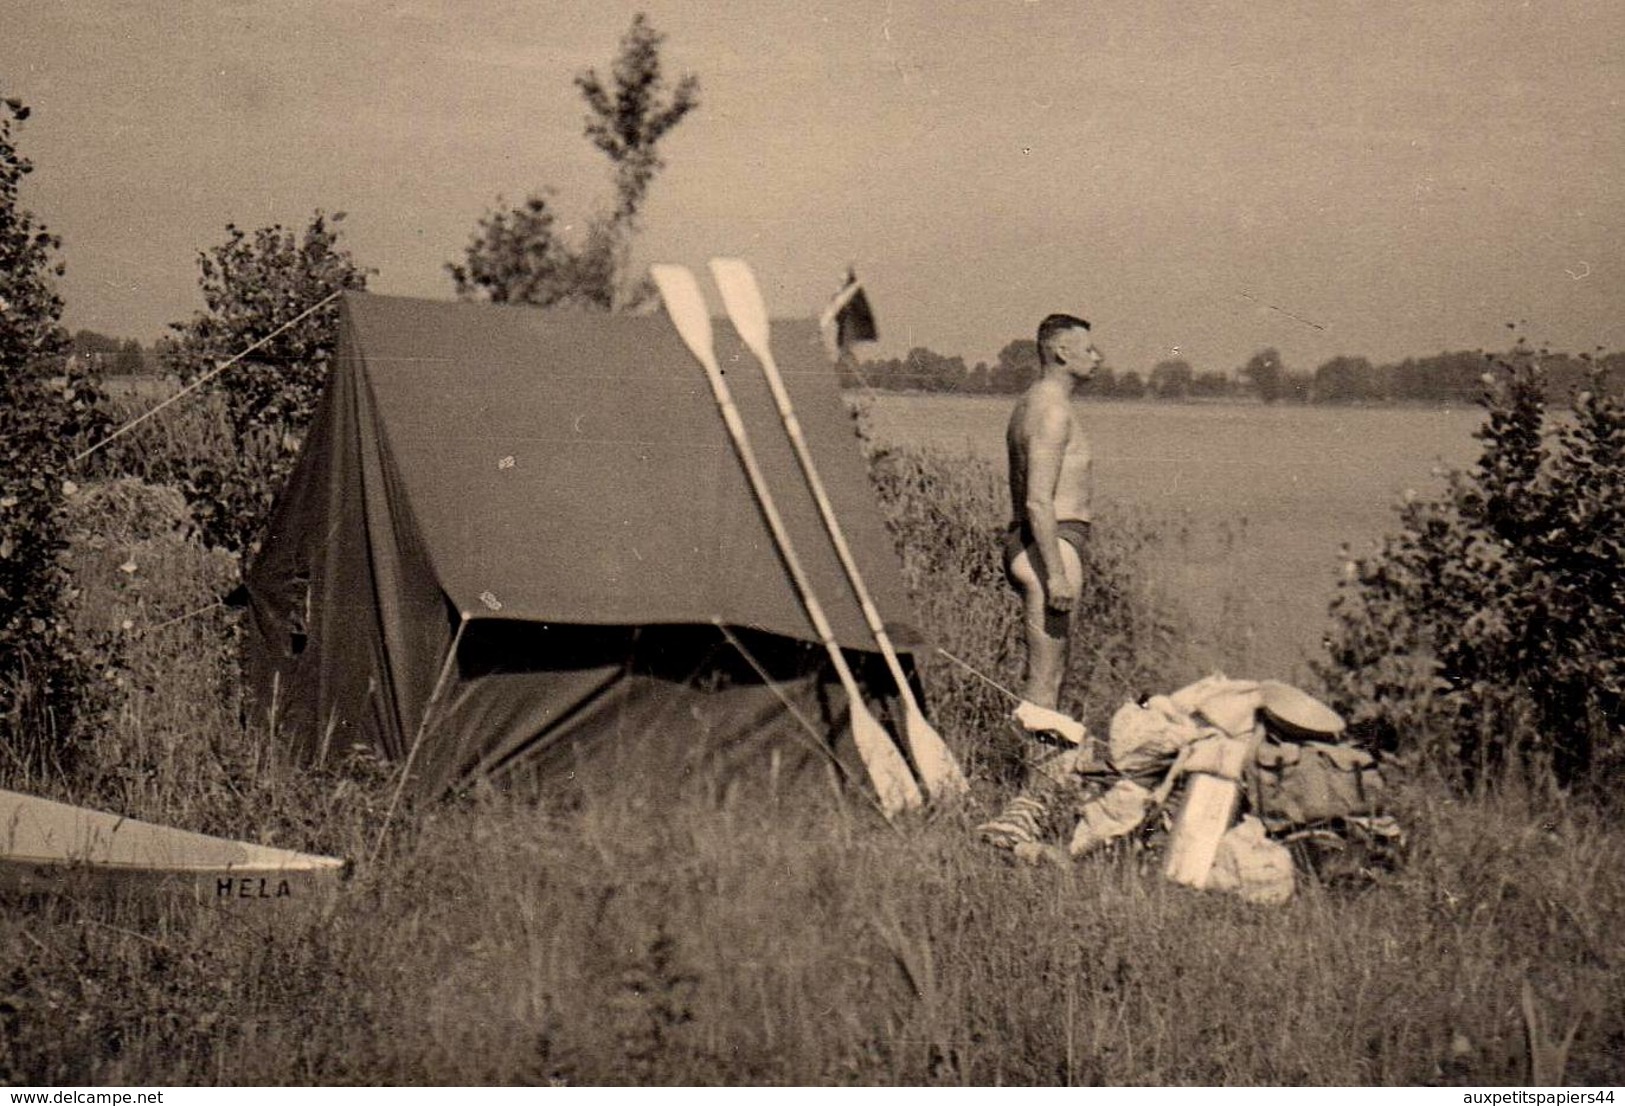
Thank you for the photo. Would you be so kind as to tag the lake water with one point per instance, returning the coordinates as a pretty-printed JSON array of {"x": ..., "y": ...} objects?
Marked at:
[{"x": 1257, "y": 501}]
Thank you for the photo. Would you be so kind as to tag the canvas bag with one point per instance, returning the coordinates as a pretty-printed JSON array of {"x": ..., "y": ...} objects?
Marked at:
[
  {"x": 1249, "y": 864},
  {"x": 1312, "y": 781}
]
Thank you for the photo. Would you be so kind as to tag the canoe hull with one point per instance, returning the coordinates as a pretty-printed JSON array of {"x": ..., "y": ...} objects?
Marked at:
[{"x": 47, "y": 845}]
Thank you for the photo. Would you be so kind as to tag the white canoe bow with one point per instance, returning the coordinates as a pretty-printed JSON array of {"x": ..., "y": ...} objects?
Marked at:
[{"x": 44, "y": 844}]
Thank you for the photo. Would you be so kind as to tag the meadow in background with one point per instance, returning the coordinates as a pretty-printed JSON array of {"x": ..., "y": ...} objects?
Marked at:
[
  {"x": 1242, "y": 508},
  {"x": 493, "y": 939}
]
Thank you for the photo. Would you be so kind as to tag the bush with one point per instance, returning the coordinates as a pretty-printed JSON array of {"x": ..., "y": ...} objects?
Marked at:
[
  {"x": 260, "y": 289},
  {"x": 1488, "y": 633},
  {"x": 43, "y": 410}
]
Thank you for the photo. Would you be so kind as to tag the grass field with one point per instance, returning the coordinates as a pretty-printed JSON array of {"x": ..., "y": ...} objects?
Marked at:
[
  {"x": 496, "y": 940},
  {"x": 1252, "y": 504}
]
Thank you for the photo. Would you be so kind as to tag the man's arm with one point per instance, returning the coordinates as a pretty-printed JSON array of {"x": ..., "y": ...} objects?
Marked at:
[{"x": 1047, "y": 431}]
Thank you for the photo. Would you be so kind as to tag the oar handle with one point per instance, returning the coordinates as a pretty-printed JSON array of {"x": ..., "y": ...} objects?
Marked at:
[{"x": 837, "y": 537}]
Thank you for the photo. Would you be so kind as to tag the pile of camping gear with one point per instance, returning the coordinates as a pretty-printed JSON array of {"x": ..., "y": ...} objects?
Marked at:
[{"x": 1242, "y": 785}]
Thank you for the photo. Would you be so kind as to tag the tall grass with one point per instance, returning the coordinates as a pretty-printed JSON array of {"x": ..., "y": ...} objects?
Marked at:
[
  {"x": 497, "y": 941},
  {"x": 503, "y": 943},
  {"x": 947, "y": 513},
  {"x": 160, "y": 444}
]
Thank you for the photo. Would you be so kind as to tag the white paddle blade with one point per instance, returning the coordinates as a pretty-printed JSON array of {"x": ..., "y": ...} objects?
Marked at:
[
  {"x": 743, "y": 299},
  {"x": 939, "y": 771},
  {"x": 894, "y": 783},
  {"x": 680, "y": 292}
]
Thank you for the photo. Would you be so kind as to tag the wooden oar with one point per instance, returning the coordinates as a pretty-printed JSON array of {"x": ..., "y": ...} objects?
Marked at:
[
  {"x": 938, "y": 769},
  {"x": 893, "y": 783}
]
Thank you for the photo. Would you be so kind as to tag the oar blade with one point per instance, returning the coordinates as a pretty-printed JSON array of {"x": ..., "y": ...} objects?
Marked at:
[
  {"x": 685, "y": 305},
  {"x": 939, "y": 771},
  {"x": 888, "y": 771},
  {"x": 742, "y": 297}
]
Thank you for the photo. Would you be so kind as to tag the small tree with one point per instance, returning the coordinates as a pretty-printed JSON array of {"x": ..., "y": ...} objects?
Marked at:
[
  {"x": 1345, "y": 380},
  {"x": 1172, "y": 379},
  {"x": 1015, "y": 368},
  {"x": 42, "y": 417},
  {"x": 253, "y": 286},
  {"x": 1266, "y": 375},
  {"x": 129, "y": 361},
  {"x": 517, "y": 255},
  {"x": 93, "y": 347},
  {"x": 628, "y": 123}
]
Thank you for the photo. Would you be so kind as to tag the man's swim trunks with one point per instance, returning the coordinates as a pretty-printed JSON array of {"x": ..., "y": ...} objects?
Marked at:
[{"x": 1018, "y": 536}]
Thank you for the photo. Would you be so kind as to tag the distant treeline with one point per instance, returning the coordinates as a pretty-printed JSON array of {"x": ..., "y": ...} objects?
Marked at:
[
  {"x": 1442, "y": 378},
  {"x": 105, "y": 356}
]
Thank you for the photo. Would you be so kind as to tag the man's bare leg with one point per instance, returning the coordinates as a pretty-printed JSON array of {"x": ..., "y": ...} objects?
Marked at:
[
  {"x": 1049, "y": 648},
  {"x": 1048, "y": 632},
  {"x": 1028, "y": 819}
]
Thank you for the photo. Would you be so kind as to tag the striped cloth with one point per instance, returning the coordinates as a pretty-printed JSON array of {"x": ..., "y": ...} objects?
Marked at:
[{"x": 1021, "y": 822}]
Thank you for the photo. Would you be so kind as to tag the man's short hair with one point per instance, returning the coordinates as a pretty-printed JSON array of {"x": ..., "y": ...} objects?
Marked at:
[{"x": 1053, "y": 325}]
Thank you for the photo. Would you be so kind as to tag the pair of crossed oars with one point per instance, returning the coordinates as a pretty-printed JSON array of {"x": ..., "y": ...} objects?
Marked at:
[{"x": 887, "y": 769}]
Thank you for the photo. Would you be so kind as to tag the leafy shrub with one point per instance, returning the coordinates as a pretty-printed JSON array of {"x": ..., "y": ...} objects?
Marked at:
[
  {"x": 259, "y": 289},
  {"x": 44, "y": 408},
  {"x": 522, "y": 255},
  {"x": 1488, "y": 633}
]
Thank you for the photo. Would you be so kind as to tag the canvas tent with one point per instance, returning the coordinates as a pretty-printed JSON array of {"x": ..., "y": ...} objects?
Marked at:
[{"x": 511, "y": 532}]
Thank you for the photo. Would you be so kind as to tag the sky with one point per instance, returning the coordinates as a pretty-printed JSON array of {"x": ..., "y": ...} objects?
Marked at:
[{"x": 1200, "y": 180}]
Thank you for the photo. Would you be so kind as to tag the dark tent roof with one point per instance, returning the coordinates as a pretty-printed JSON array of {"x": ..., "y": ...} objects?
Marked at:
[
  {"x": 573, "y": 467},
  {"x": 472, "y": 462}
]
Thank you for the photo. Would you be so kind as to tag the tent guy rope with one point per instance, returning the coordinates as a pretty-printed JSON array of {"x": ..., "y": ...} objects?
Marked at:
[
  {"x": 202, "y": 380},
  {"x": 1030, "y": 714},
  {"x": 812, "y": 733}
]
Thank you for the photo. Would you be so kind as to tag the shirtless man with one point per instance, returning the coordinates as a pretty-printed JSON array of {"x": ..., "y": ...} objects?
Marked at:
[{"x": 1051, "y": 485}]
